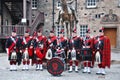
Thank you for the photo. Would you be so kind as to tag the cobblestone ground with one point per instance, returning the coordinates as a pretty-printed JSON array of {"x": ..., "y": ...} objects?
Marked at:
[{"x": 112, "y": 74}]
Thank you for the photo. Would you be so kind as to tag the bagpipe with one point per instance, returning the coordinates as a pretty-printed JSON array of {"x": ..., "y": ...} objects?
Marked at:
[
  {"x": 28, "y": 49},
  {"x": 13, "y": 54},
  {"x": 26, "y": 54},
  {"x": 73, "y": 54}
]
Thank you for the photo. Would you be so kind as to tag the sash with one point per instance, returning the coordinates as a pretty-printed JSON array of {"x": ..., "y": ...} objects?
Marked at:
[{"x": 12, "y": 45}]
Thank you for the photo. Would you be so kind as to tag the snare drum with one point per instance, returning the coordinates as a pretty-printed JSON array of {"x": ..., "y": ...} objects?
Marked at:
[{"x": 55, "y": 66}]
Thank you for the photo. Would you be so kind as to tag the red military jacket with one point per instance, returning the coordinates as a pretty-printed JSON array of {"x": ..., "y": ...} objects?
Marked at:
[
  {"x": 40, "y": 46},
  {"x": 52, "y": 40},
  {"x": 76, "y": 42},
  {"x": 88, "y": 42},
  {"x": 62, "y": 42},
  {"x": 26, "y": 42}
]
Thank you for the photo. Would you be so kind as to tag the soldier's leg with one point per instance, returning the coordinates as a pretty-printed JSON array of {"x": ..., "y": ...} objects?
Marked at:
[
  {"x": 70, "y": 63},
  {"x": 14, "y": 65},
  {"x": 85, "y": 67},
  {"x": 76, "y": 65},
  {"x": 103, "y": 70},
  {"x": 88, "y": 67},
  {"x": 40, "y": 65},
  {"x": 11, "y": 65},
  {"x": 24, "y": 63},
  {"x": 27, "y": 65},
  {"x": 99, "y": 69},
  {"x": 37, "y": 64}
]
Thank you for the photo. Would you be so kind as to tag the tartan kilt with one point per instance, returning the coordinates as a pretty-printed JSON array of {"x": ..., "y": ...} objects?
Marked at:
[{"x": 86, "y": 54}]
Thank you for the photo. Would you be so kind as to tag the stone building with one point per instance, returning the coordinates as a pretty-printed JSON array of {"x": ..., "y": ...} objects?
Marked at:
[{"x": 92, "y": 14}]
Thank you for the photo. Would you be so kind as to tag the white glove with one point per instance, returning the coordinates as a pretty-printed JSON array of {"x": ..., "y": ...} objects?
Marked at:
[{"x": 51, "y": 44}]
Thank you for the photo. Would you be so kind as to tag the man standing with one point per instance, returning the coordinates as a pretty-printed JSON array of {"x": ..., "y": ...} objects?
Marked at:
[
  {"x": 102, "y": 51},
  {"x": 40, "y": 49},
  {"x": 27, "y": 50},
  {"x": 52, "y": 44},
  {"x": 13, "y": 49},
  {"x": 87, "y": 52},
  {"x": 75, "y": 45},
  {"x": 62, "y": 44}
]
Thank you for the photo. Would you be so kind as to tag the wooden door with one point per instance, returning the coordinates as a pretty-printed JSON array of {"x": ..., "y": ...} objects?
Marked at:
[{"x": 112, "y": 34}]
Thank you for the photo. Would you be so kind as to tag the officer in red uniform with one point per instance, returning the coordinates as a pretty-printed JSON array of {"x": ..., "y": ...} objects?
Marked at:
[
  {"x": 52, "y": 44},
  {"x": 62, "y": 45},
  {"x": 61, "y": 40},
  {"x": 13, "y": 50},
  {"x": 40, "y": 49},
  {"x": 87, "y": 52},
  {"x": 28, "y": 49},
  {"x": 75, "y": 45},
  {"x": 102, "y": 51}
]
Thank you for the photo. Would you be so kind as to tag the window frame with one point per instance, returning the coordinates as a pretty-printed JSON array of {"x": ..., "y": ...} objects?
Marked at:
[
  {"x": 83, "y": 29},
  {"x": 34, "y": 4},
  {"x": 91, "y": 3}
]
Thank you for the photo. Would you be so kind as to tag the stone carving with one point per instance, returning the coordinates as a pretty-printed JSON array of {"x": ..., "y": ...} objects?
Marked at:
[{"x": 110, "y": 17}]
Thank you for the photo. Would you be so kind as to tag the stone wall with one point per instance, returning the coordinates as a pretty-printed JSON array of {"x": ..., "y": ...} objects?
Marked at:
[{"x": 85, "y": 16}]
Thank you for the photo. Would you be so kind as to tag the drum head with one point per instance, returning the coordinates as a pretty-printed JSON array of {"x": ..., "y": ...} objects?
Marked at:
[{"x": 55, "y": 66}]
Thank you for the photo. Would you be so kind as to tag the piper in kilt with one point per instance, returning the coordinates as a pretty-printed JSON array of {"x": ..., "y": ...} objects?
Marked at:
[
  {"x": 86, "y": 52},
  {"x": 40, "y": 49},
  {"x": 102, "y": 51},
  {"x": 75, "y": 45},
  {"x": 28, "y": 49},
  {"x": 13, "y": 50}
]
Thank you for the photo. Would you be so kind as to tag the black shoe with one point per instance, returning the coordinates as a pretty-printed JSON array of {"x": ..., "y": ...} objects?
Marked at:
[
  {"x": 76, "y": 71},
  {"x": 69, "y": 71},
  {"x": 89, "y": 72},
  {"x": 98, "y": 73}
]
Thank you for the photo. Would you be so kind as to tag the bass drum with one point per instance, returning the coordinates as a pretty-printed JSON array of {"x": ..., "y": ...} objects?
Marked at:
[{"x": 55, "y": 66}]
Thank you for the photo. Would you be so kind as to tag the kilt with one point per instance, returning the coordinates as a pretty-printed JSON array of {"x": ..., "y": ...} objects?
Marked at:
[{"x": 86, "y": 54}]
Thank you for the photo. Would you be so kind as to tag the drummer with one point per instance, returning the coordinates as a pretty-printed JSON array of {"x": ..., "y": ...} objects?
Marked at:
[
  {"x": 87, "y": 52},
  {"x": 52, "y": 44},
  {"x": 61, "y": 44}
]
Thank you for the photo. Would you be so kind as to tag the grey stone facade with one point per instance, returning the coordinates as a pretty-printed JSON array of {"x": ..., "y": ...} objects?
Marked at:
[{"x": 92, "y": 17}]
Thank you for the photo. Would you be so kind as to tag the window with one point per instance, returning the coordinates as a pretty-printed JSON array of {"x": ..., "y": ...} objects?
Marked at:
[
  {"x": 91, "y": 3},
  {"x": 98, "y": 16},
  {"x": 83, "y": 29},
  {"x": 58, "y": 5},
  {"x": 34, "y": 4}
]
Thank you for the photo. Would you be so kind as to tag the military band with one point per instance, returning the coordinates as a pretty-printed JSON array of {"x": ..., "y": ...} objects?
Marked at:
[{"x": 71, "y": 51}]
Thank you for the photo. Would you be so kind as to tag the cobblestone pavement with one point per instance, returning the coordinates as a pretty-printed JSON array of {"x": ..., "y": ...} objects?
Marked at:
[{"x": 112, "y": 74}]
